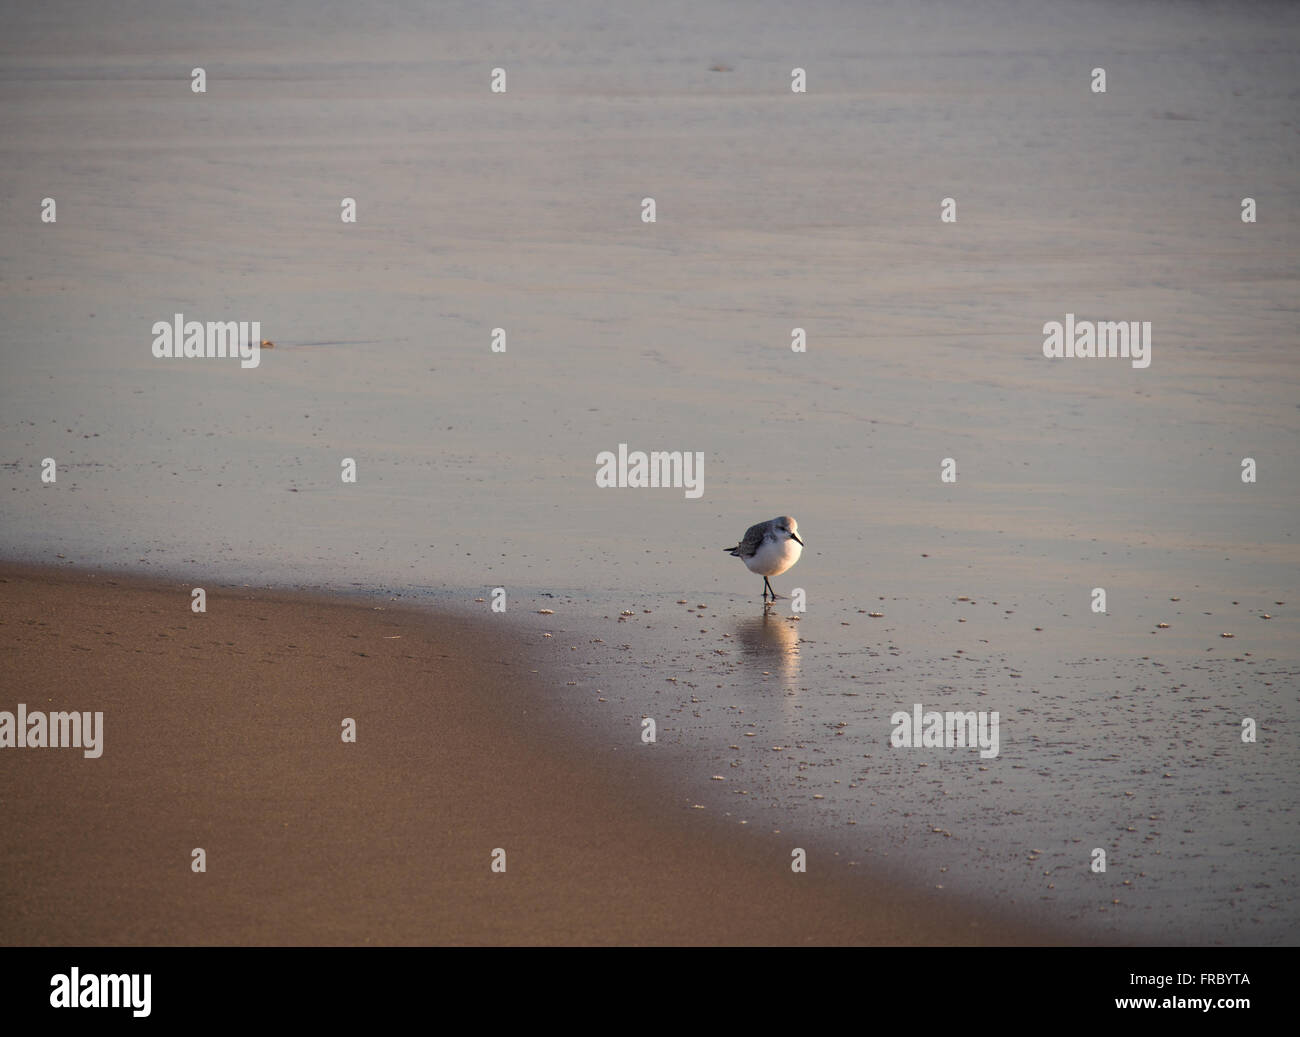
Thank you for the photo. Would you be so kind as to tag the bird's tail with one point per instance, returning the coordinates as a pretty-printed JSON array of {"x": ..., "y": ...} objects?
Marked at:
[{"x": 733, "y": 551}]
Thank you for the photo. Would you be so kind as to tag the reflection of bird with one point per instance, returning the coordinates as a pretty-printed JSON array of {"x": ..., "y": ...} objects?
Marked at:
[
  {"x": 769, "y": 642},
  {"x": 769, "y": 637},
  {"x": 769, "y": 549}
]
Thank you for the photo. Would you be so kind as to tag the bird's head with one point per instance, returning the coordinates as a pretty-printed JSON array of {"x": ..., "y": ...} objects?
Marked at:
[{"x": 787, "y": 525}]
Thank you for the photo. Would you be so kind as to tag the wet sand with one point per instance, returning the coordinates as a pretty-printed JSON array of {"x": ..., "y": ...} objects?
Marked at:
[{"x": 222, "y": 731}]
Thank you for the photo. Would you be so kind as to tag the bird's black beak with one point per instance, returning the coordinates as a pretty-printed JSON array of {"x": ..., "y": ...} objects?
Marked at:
[{"x": 795, "y": 538}]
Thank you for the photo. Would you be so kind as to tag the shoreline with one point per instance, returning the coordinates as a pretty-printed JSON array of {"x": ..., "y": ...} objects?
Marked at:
[{"x": 229, "y": 740}]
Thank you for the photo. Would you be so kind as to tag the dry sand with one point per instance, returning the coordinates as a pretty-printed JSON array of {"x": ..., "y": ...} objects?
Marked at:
[{"x": 222, "y": 731}]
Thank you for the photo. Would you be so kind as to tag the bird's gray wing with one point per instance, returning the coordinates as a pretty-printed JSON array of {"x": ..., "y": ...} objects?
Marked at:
[{"x": 750, "y": 542}]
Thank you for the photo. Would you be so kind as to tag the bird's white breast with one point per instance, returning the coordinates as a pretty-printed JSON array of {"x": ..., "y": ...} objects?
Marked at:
[{"x": 774, "y": 557}]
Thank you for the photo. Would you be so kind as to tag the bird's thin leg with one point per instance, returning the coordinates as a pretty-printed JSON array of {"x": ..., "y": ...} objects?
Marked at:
[{"x": 767, "y": 588}]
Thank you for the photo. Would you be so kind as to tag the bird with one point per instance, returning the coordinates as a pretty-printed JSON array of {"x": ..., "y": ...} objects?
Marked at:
[{"x": 769, "y": 549}]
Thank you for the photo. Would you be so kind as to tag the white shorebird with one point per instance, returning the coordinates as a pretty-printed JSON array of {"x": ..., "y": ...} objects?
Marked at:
[{"x": 769, "y": 549}]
